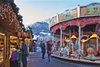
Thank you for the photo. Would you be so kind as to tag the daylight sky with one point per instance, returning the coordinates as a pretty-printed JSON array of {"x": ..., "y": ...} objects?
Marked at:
[{"x": 39, "y": 10}]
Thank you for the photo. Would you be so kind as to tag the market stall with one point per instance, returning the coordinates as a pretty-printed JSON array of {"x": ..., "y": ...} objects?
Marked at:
[
  {"x": 2, "y": 48},
  {"x": 13, "y": 42}
]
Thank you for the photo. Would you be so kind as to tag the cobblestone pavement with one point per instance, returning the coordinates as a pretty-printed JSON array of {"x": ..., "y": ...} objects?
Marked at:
[{"x": 35, "y": 60}]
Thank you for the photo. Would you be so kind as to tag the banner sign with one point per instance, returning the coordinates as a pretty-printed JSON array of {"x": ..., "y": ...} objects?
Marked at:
[
  {"x": 53, "y": 21},
  {"x": 91, "y": 9},
  {"x": 68, "y": 14}
]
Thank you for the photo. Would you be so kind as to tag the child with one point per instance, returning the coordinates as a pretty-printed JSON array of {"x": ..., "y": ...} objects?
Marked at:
[{"x": 13, "y": 59}]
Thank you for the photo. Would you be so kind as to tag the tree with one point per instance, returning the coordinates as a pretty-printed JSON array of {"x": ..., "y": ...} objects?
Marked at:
[{"x": 19, "y": 17}]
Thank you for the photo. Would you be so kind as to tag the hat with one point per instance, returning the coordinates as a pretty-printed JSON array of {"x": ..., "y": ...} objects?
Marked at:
[{"x": 13, "y": 49}]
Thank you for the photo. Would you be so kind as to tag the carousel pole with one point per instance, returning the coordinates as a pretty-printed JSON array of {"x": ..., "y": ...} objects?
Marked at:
[
  {"x": 79, "y": 37},
  {"x": 60, "y": 37},
  {"x": 97, "y": 43},
  {"x": 60, "y": 31},
  {"x": 53, "y": 40},
  {"x": 97, "y": 40},
  {"x": 52, "y": 37},
  {"x": 79, "y": 30}
]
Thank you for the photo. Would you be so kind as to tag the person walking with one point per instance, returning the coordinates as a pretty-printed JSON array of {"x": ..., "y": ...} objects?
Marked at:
[
  {"x": 24, "y": 54},
  {"x": 13, "y": 59},
  {"x": 43, "y": 49},
  {"x": 49, "y": 49}
]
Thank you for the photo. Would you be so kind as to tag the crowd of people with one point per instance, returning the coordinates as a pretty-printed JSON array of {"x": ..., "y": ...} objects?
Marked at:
[
  {"x": 19, "y": 55},
  {"x": 46, "y": 46}
]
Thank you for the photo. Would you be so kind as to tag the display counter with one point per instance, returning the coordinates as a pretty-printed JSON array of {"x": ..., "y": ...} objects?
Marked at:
[
  {"x": 13, "y": 42},
  {"x": 2, "y": 49}
]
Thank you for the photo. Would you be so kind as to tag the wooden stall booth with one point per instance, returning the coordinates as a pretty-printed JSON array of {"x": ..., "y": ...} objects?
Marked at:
[
  {"x": 13, "y": 42},
  {"x": 2, "y": 49},
  {"x": 9, "y": 25}
]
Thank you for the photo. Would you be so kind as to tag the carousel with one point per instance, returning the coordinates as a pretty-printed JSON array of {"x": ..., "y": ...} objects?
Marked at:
[{"x": 79, "y": 28}]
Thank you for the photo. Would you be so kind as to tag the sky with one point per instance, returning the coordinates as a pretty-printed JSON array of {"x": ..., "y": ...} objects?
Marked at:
[{"x": 41, "y": 10}]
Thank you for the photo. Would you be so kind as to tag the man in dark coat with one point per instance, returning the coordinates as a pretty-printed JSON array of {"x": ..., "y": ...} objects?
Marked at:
[
  {"x": 24, "y": 54},
  {"x": 43, "y": 49},
  {"x": 49, "y": 49}
]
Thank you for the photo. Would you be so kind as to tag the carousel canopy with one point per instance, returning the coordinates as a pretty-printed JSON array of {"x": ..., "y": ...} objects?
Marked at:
[{"x": 88, "y": 14}]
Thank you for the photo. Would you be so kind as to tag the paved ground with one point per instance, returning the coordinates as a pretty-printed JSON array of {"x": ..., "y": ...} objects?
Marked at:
[{"x": 34, "y": 60}]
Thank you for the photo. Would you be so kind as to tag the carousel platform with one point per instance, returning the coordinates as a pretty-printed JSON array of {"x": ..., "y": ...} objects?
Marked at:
[{"x": 78, "y": 60}]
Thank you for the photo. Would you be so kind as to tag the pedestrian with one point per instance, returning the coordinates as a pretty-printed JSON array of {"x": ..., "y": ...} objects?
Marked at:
[
  {"x": 43, "y": 49},
  {"x": 19, "y": 50},
  {"x": 24, "y": 54},
  {"x": 49, "y": 49},
  {"x": 13, "y": 59}
]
